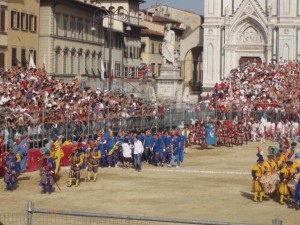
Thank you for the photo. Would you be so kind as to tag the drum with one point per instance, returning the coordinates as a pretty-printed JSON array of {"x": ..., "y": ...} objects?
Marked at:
[
  {"x": 292, "y": 186},
  {"x": 267, "y": 184},
  {"x": 275, "y": 178}
]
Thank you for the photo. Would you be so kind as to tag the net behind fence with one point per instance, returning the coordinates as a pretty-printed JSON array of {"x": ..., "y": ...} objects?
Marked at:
[
  {"x": 13, "y": 219},
  {"x": 35, "y": 216}
]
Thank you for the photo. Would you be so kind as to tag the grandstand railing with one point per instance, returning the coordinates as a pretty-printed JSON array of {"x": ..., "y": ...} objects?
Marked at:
[
  {"x": 44, "y": 125},
  {"x": 49, "y": 124},
  {"x": 35, "y": 216}
]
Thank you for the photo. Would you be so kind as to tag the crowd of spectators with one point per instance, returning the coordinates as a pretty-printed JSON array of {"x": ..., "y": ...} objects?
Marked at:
[
  {"x": 259, "y": 87},
  {"x": 32, "y": 97}
]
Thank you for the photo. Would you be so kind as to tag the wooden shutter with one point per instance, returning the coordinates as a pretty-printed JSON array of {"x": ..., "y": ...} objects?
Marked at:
[
  {"x": 18, "y": 20},
  {"x": 2, "y": 60},
  {"x": 26, "y": 21},
  {"x": 35, "y": 23},
  {"x": 2, "y": 18},
  {"x": 14, "y": 57},
  {"x": 12, "y": 19}
]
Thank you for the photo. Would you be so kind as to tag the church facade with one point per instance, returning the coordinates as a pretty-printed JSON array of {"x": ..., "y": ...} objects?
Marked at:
[{"x": 237, "y": 31}]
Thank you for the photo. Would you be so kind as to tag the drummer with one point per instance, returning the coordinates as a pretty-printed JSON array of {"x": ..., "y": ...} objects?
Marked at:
[
  {"x": 270, "y": 165},
  {"x": 258, "y": 171},
  {"x": 286, "y": 174}
]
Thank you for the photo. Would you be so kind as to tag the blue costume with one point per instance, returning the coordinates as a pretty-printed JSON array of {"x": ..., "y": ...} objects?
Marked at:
[
  {"x": 176, "y": 153},
  {"x": 148, "y": 144},
  {"x": 10, "y": 167},
  {"x": 47, "y": 172},
  {"x": 158, "y": 151},
  {"x": 181, "y": 139}
]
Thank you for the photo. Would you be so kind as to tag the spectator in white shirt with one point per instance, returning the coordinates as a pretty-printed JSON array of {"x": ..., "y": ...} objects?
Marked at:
[
  {"x": 137, "y": 153},
  {"x": 126, "y": 153}
]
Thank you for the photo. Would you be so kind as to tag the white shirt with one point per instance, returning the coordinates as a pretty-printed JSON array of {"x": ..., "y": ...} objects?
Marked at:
[
  {"x": 138, "y": 147},
  {"x": 126, "y": 150}
]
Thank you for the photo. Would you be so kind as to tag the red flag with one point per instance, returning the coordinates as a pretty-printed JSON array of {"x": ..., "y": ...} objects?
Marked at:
[{"x": 111, "y": 78}]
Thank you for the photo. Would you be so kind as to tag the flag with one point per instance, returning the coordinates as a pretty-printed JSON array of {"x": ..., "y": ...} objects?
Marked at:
[
  {"x": 102, "y": 69},
  {"x": 44, "y": 63},
  {"x": 31, "y": 61},
  {"x": 22, "y": 149},
  {"x": 111, "y": 78},
  {"x": 211, "y": 137}
]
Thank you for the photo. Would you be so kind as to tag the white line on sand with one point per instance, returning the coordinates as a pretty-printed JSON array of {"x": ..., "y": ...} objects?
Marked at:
[{"x": 176, "y": 170}]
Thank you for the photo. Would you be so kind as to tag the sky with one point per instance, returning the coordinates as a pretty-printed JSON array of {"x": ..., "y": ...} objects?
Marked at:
[{"x": 196, "y": 6}]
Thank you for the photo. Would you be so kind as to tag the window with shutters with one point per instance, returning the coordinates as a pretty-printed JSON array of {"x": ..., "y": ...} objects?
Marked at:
[
  {"x": 24, "y": 62},
  {"x": 32, "y": 23},
  {"x": 14, "y": 60},
  {"x": 2, "y": 59},
  {"x": 2, "y": 20},
  {"x": 24, "y": 21},
  {"x": 15, "y": 20}
]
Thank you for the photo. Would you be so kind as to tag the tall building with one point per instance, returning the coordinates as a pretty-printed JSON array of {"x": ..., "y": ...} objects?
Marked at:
[
  {"x": 237, "y": 31},
  {"x": 67, "y": 41},
  {"x": 19, "y": 27}
]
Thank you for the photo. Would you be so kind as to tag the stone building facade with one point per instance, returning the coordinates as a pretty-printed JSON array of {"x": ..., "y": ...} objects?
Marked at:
[
  {"x": 19, "y": 33},
  {"x": 237, "y": 31}
]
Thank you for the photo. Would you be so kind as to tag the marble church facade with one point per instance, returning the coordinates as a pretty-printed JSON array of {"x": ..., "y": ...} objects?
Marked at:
[{"x": 237, "y": 31}]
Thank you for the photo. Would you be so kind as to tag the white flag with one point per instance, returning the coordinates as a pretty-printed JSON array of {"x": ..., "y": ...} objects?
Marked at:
[
  {"x": 31, "y": 61},
  {"x": 102, "y": 69}
]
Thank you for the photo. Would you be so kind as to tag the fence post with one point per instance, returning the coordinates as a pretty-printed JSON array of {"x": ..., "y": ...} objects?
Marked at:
[
  {"x": 276, "y": 222},
  {"x": 29, "y": 213}
]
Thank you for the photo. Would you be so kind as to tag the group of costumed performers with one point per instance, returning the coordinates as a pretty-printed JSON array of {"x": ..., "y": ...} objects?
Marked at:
[
  {"x": 279, "y": 175},
  {"x": 15, "y": 161},
  {"x": 108, "y": 150}
]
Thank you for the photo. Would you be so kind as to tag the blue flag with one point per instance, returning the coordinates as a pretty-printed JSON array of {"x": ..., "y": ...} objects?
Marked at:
[
  {"x": 22, "y": 149},
  {"x": 211, "y": 137}
]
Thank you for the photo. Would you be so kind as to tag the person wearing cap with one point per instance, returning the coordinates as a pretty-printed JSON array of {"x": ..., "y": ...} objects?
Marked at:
[
  {"x": 286, "y": 174},
  {"x": 10, "y": 166},
  {"x": 76, "y": 158},
  {"x": 47, "y": 172},
  {"x": 258, "y": 171},
  {"x": 93, "y": 157},
  {"x": 270, "y": 165}
]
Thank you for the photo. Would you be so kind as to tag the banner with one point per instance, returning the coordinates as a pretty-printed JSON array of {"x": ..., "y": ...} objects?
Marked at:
[{"x": 211, "y": 137}]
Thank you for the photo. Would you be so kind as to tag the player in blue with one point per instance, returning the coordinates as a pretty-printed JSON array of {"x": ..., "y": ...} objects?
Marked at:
[
  {"x": 148, "y": 147},
  {"x": 10, "y": 166},
  {"x": 158, "y": 149},
  {"x": 47, "y": 172}
]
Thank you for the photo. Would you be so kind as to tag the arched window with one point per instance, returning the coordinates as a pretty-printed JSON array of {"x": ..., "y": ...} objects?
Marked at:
[
  {"x": 94, "y": 61},
  {"x": 56, "y": 58},
  {"x": 65, "y": 58},
  {"x": 80, "y": 52},
  {"x": 73, "y": 54},
  {"x": 86, "y": 62}
]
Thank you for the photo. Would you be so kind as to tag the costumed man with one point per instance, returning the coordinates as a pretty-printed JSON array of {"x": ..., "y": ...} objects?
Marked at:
[
  {"x": 270, "y": 170},
  {"x": 10, "y": 166},
  {"x": 297, "y": 189},
  {"x": 257, "y": 173},
  {"x": 93, "y": 158},
  {"x": 47, "y": 172},
  {"x": 286, "y": 174},
  {"x": 57, "y": 153},
  {"x": 76, "y": 158}
]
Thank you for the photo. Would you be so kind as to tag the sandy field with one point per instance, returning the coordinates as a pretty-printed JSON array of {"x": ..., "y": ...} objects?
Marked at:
[{"x": 212, "y": 184}]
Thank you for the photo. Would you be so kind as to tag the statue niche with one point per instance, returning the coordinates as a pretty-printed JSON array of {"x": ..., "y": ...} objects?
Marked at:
[{"x": 250, "y": 36}]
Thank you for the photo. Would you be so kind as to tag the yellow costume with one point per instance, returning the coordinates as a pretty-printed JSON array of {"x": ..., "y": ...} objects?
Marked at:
[
  {"x": 57, "y": 153},
  {"x": 257, "y": 172},
  {"x": 286, "y": 174}
]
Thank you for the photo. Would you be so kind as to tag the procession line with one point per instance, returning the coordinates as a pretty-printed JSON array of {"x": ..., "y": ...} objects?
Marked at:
[{"x": 176, "y": 170}]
